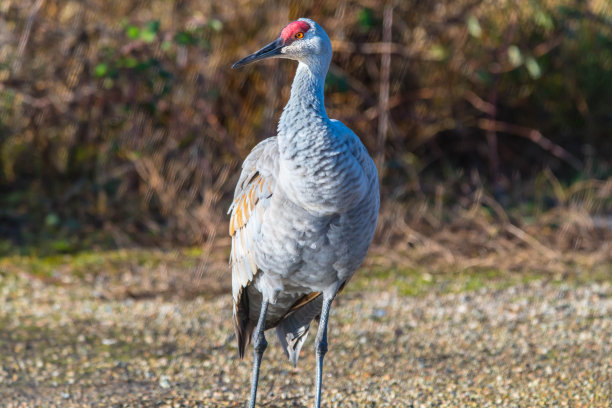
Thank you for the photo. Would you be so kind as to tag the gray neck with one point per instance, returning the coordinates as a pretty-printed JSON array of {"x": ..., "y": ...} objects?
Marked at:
[{"x": 306, "y": 102}]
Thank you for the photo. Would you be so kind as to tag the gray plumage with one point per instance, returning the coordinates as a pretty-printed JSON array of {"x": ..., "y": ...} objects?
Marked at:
[{"x": 304, "y": 212}]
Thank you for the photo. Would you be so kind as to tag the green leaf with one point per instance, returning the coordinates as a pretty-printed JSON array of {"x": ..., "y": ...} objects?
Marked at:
[
  {"x": 62, "y": 245},
  {"x": 148, "y": 36},
  {"x": 437, "y": 53},
  {"x": 515, "y": 56},
  {"x": 533, "y": 68},
  {"x": 132, "y": 31},
  {"x": 52, "y": 220},
  {"x": 215, "y": 24},
  {"x": 570, "y": 12},
  {"x": 131, "y": 62},
  {"x": 101, "y": 70},
  {"x": 474, "y": 27},
  {"x": 127, "y": 62},
  {"x": 544, "y": 20},
  {"x": 366, "y": 18},
  {"x": 336, "y": 83},
  {"x": 153, "y": 26},
  {"x": 184, "y": 38},
  {"x": 484, "y": 76}
]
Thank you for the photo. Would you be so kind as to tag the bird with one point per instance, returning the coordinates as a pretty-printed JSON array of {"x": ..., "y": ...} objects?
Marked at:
[{"x": 304, "y": 212}]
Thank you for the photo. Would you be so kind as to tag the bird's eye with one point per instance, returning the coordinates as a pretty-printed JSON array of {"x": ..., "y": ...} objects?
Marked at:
[{"x": 299, "y": 35}]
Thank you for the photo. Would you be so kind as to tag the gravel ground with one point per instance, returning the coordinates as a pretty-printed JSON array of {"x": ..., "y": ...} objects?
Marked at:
[{"x": 528, "y": 345}]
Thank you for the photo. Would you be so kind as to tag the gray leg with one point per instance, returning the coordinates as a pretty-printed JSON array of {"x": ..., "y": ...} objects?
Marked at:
[
  {"x": 259, "y": 346},
  {"x": 321, "y": 347}
]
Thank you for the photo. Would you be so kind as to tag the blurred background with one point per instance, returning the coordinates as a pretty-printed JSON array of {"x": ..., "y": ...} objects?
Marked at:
[{"x": 123, "y": 126}]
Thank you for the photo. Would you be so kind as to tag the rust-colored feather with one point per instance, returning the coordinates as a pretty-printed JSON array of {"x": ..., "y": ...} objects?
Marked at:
[
  {"x": 244, "y": 204},
  {"x": 303, "y": 300}
]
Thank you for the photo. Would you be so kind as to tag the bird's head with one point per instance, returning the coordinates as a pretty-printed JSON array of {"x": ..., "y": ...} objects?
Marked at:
[{"x": 302, "y": 40}]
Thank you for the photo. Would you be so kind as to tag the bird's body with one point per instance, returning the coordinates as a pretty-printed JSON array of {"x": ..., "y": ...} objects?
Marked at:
[{"x": 304, "y": 213}]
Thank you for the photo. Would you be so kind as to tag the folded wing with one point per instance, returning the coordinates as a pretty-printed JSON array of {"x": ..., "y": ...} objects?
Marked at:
[{"x": 251, "y": 200}]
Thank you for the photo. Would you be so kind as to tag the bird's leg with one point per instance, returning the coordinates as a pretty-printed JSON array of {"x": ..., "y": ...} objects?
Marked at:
[
  {"x": 321, "y": 347},
  {"x": 259, "y": 346}
]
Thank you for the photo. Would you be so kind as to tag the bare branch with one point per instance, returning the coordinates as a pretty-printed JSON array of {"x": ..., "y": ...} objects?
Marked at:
[
  {"x": 383, "y": 101},
  {"x": 479, "y": 103},
  {"x": 25, "y": 35},
  {"x": 373, "y": 48},
  {"x": 531, "y": 241},
  {"x": 535, "y": 136}
]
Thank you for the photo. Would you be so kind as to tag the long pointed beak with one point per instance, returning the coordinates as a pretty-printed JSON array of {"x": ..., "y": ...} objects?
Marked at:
[{"x": 270, "y": 50}]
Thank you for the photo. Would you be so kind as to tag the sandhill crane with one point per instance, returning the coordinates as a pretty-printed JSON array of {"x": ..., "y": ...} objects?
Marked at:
[{"x": 304, "y": 211}]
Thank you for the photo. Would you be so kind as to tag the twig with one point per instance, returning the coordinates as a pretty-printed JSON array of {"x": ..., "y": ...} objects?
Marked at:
[
  {"x": 25, "y": 35},
  {"x": 531, "y": 241},
  {"x": 383, "y": 101},
  {"x": 497, "y": 208},
  {"x": 442, "y": 249},
  {"x": 348, "y": 47},
  {"x": 493, "y": 153},
  {"x": 479, "y": 103},
  {"x": 535, "y": 136}
]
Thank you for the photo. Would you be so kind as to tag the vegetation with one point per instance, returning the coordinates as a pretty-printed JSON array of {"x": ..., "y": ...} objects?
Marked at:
[{"x": 122, "y": 124}]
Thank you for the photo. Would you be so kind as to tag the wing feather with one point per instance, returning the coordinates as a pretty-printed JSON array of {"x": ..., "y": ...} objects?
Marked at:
[{"x": 253, "y": 192}]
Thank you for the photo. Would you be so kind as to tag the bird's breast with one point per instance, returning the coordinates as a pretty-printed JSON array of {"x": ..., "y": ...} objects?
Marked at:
[
  {"x": 301, "y": 251},
  {"x": 325, "y": 183}
]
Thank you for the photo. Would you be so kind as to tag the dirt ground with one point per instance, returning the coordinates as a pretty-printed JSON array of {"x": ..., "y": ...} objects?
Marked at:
[{"x": 80, "y": 342}]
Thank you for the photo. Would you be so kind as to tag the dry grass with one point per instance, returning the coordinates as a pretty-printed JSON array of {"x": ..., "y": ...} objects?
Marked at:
[{"x": 572, "y": 237}]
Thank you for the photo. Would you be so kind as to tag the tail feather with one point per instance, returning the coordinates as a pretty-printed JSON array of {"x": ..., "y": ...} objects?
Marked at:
[
  {"x": 242, "y": 326},
  {"x": 292, "y": 331}
]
